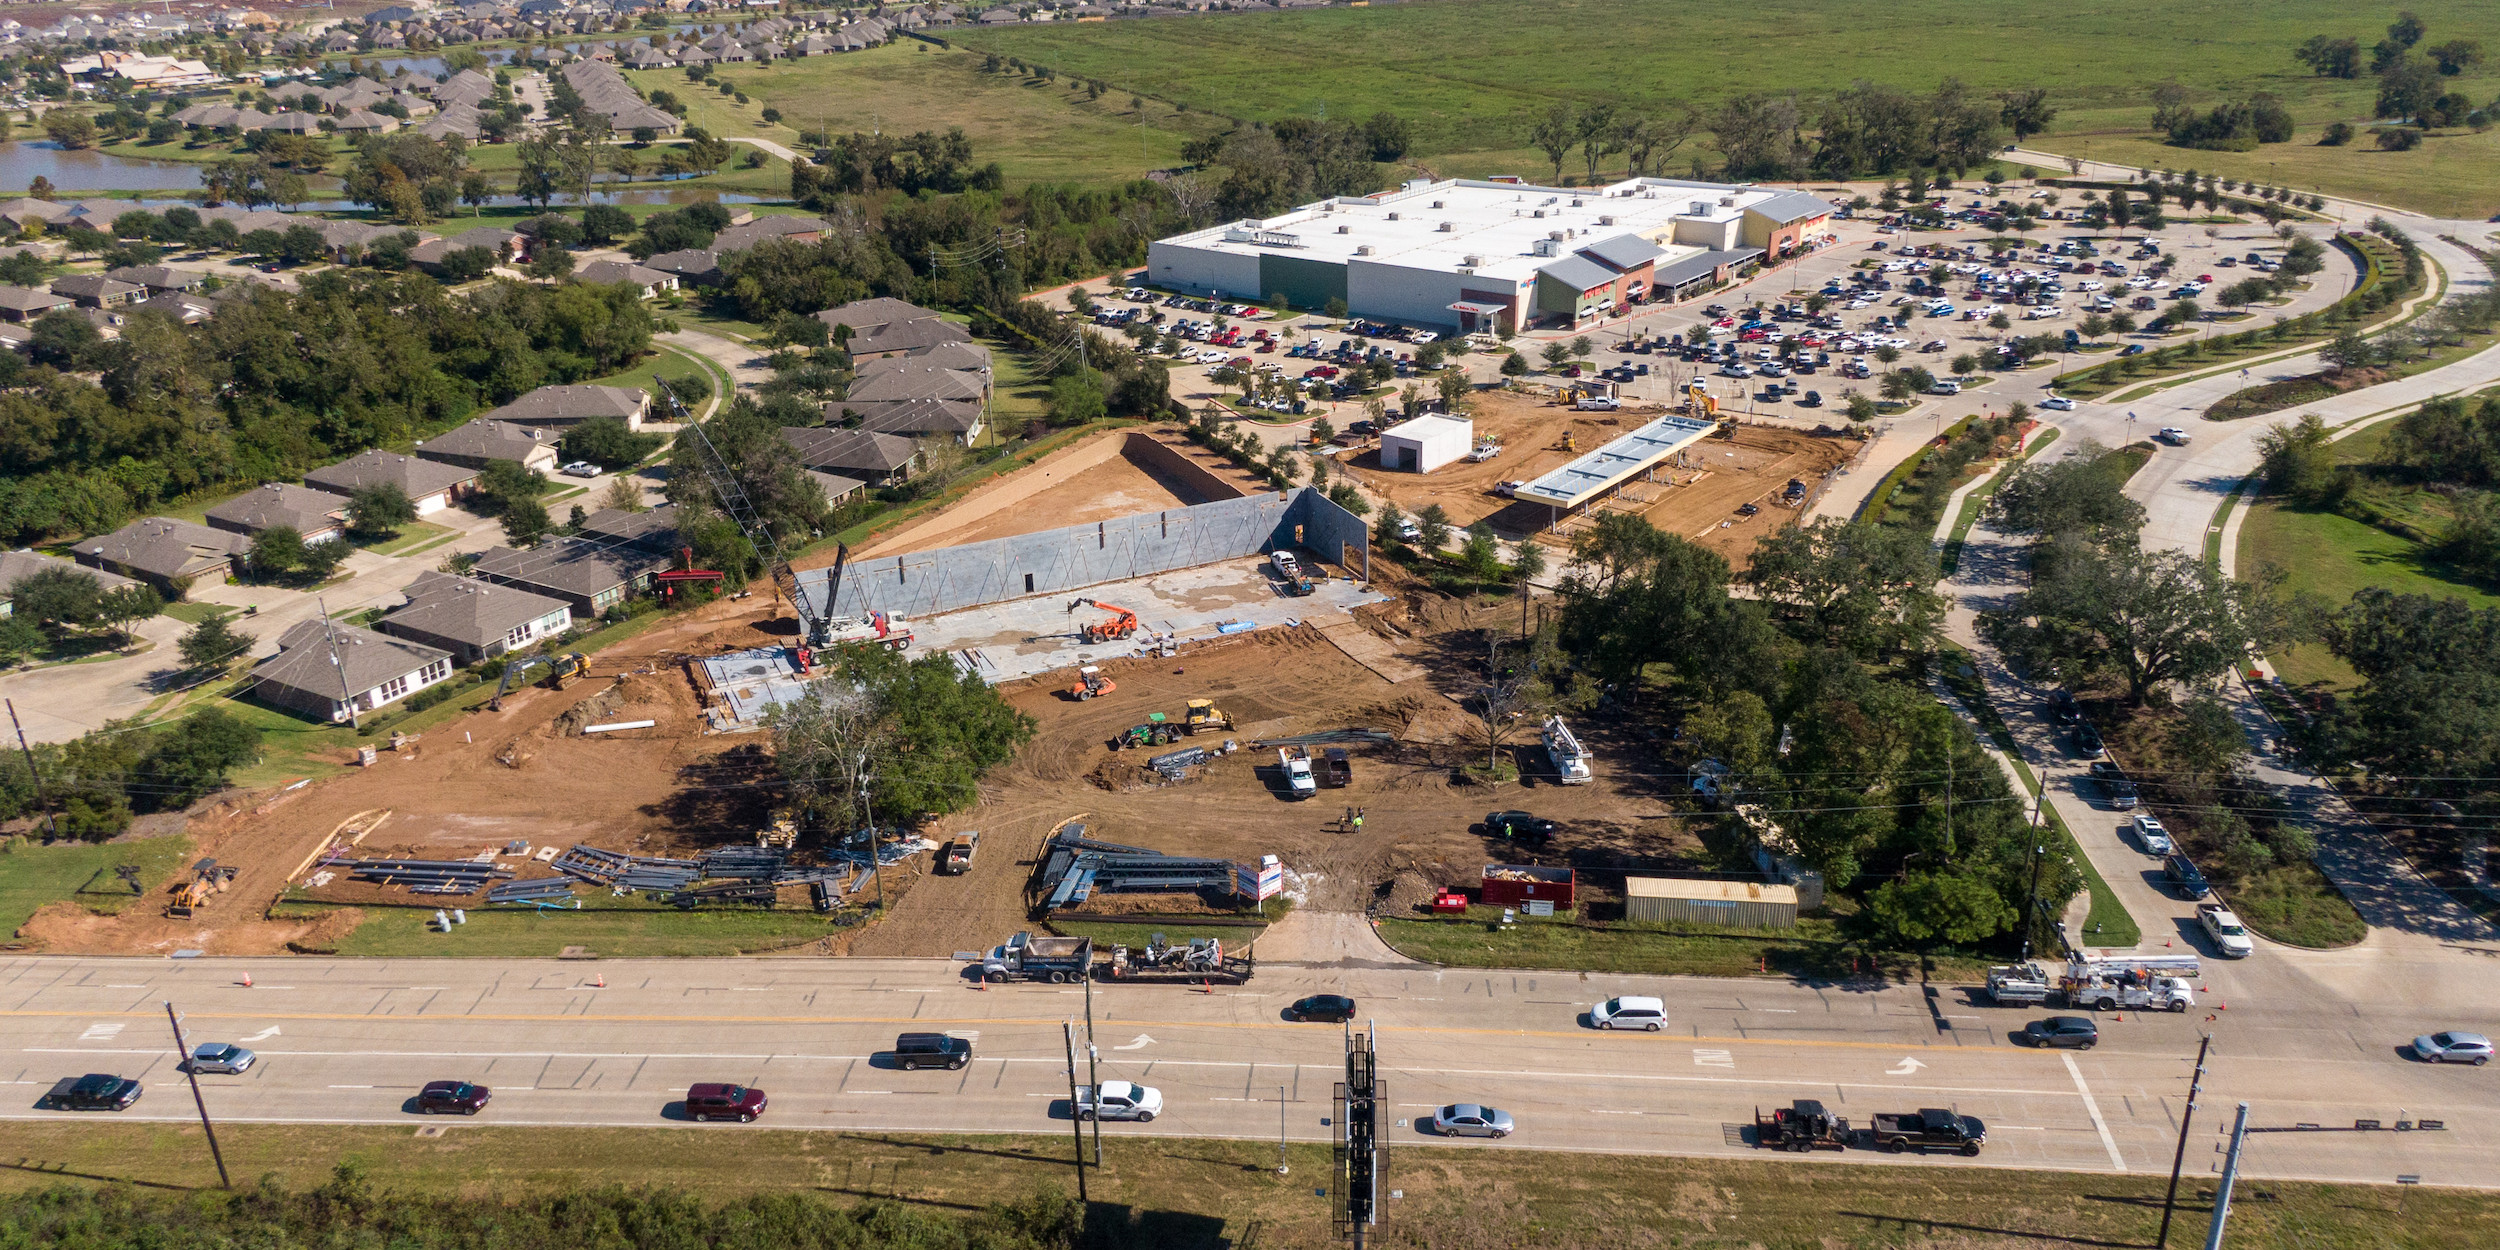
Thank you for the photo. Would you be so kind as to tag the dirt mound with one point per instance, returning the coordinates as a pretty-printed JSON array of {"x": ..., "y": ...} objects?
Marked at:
[
  {"x": 1408, "y": 893},
  {"x": 663, "y": 697},
  {"x": 1121, "y": 774}
]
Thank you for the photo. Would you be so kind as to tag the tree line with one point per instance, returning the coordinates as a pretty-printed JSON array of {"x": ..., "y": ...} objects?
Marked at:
[
  {"x": 93, "y": 786},
  {"x": 94, "y": 432},
  {"x": 2412, "y": 79}
]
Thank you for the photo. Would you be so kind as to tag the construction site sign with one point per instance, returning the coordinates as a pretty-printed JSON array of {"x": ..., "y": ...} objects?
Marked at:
[{"x": 1261, "y": 881}]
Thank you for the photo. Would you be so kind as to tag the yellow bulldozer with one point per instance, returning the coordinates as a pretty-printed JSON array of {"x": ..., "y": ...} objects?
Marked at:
[{"x": 1203, "y": 714}]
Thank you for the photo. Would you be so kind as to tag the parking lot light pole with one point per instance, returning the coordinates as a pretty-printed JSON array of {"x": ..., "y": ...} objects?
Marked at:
[{"x": 182, "y": 1052}]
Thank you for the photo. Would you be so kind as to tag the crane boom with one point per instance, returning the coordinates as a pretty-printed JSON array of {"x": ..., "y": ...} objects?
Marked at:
[{"x": 733, "y": 501}]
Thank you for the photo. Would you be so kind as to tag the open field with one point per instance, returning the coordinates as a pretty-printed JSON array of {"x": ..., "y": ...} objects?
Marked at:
[
  {"x": 2333, "y": 556},
  {"x": 1206, "y": 1194},
  {"x": 32, "y": 875},
  {"x": 1040, "y": 132},
  {"x": 1472, "y": 76}
]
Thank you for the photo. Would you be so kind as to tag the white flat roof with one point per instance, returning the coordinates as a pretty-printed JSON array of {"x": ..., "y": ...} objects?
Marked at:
[
  {"x": 1620, "y": 459},
  {"x": 1441, "y": 225},
  {"x": 1429, "y": 426}
]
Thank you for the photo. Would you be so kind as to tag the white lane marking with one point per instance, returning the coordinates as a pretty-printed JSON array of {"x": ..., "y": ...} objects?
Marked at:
[
  {"x": 1775, "y": 1011},
  {"x": 2024, "y": 1128},
  {"x": 2116, "y": 1160},
  {"x": 264, "y": 1034},
  {"x": 100, "y": 1033},
  {"x": 1607, "y": 1111},
  {"x": 1142, "y": 1042},
  {"x": 1713, "y": 1058}
]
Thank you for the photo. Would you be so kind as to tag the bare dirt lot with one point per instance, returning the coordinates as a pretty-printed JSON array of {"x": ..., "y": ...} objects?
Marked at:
[
  {"x": 1093, "y": 479},
  {"x": 1718, "y": 476},
  {"x": 1421, "y": 824}
]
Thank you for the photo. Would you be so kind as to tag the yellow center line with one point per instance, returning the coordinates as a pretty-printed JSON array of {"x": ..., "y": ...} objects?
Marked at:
[{"x": 967, "y": 1022}]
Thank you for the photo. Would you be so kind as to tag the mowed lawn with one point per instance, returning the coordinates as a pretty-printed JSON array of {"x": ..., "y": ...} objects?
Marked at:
[
  {"x": 2333, "y": 557},
  {"x": 1472, "y": 76},
  {"x": 1039, "y": 132}
]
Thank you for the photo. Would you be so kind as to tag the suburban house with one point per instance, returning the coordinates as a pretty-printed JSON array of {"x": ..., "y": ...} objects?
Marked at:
[
  {"x": 699, "y": 265},
  {"x": 24, "y": 304},
  {"x": 606, "y": 272},
  {"x": 877, "y": 459},
  {"x": 370, "y": 670},
  {"x": 157, "y": 278},
  {"x": 17, "y": 566},
  {"x": 788, "y": 227},
  {"x": 836, "y": 486},
  {"x": 315, "y": 515},
  {"x": 430, "y": 484},
  {"x": 167, "y": 554},
  {"x": 958, "y": 419},
  {"x": 474, "y": 620},
  {"x": 653, "y": 530},
  {"x": 572, "y": 405},
  {"x": 482, "y": 442},
  {"x": 885, "y": 327},
  {"x": 95, "y": 290},
  {"x": 590, "y": 574}
]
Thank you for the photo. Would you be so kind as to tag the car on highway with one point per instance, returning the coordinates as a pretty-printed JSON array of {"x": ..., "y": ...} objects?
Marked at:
[
  {"x": 2058, "y": 403},
  {"x": 224, "y": 1058},
  {"x": 96, "y": 1091},
  {"x": 579, "y": 468},
  {"x": 452, "y": 1098},
  {"x": 914, "y": 1051},
  {"x": 724, "y": 1102},
  {"x": 1467, "y": 1119},
  {"x": 2062, "y": 1033},
  {"x": 2473, "y": 1048},
  {"x": 1322, "y": 1009},
  {"x": 2150, "y": 835},
  {"x": 1631, "y": 1011},
  {"x": 1121, "y": 1100}
]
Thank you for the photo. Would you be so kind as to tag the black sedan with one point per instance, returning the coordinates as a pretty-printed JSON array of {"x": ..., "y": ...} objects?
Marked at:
[
  {"x": 1322, "y": 1009},
  {"x": 2071, "y": 1032}
]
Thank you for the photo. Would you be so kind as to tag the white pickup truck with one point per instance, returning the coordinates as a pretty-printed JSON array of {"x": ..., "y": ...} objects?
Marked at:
[
  {"x": 1296, "y": 761},
  {"x": 2230, "y": 937},
  {"x": 1120, "y": 1100}
]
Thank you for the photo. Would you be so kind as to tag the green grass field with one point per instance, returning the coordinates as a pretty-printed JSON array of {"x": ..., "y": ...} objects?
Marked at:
[
  {"x": 2333, "y": 556},
  {"x": 1473, "y": 75},
  {"x": 1204, "y": 1194},
  {"x": 1814, "y": 947},
  {"x": 1038, "y": 131},
  {"x": 31, "y": 875}
]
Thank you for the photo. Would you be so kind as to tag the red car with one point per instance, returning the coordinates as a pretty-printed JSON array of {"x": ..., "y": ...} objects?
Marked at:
[
  {"x": 724, "y": 1102},
  {"x": 452, "y": 1098}
]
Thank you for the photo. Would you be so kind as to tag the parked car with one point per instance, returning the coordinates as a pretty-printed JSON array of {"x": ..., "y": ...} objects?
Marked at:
[
  {"x": 1945, "y": 386},
  {"x": 2473, "y": 1048},
  {"x": 2229, "y": 935},
  {"x": 2062, "y": 706},
  {"x": 2151, "y": 836},
  {"x": 1322, "y": 1009},
  {"x": 2183, "y": 876},
  {"x": 2087, "y": 741},
  {"x": 914, "y": 1051},
  {"x": 1467, "y": 1119},
  {"x": 580, "y": 468},
  {"x": 96, "y": 1091},
  {"x": 452, "y": 1097},
  {"x": 2176, "y": 436},
  {"x": 2063, "y": 1032},
  {"x": 1519, "y": 827},
  {"x": 724, "y": 1102},
  {"x": 1630, "y": 1012},
  {"x": 2115, "y": 787},
  {"x": 219, "y": 1057}
]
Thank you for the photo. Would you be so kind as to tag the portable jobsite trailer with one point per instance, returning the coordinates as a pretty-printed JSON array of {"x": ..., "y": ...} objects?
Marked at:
[
  {"x": 1423, "y": 444},
  {"x": 1737, "y": 904}
]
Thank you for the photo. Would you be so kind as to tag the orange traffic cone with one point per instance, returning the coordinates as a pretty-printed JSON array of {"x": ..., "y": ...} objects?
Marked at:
[
  {"x": 2121, "y": 1016},
  {"x": 599, "y": 982},
  {"x": 247, "y": 980}
]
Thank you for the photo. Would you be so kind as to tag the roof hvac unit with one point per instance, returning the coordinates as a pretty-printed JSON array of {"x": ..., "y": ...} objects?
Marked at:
[
  {"x": 1605, "y": 221},
  {"x": 1727, "y": 201},
  {"x": 1558, "y": 235},
  {"x": 1575, "y": 201},
  {"x": 1471, "y": 261},
  {"x": 1545, "y": 247},
  {"x": 1363, "y": 250},
  {"x": 1436, "y": 203},
  {"x": 1447, "y": 226},
  {"x": 1540, "y": 214},
  {"x": 1345, "y": 229},
  {"x": 1393, "y": 216},
  {"x": 1700, "y": 208}
]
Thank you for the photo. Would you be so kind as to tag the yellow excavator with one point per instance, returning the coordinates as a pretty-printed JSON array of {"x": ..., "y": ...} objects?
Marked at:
[{"x": 560, "y": 668}]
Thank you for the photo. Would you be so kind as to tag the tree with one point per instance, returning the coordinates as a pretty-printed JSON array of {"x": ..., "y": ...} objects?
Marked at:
[
  {"x": 2025, "y": 113},
  {"x": 606, "y": 442},
  {"x": 1528, "y": 562},
  {"x": 193, "y": 758},
  {"x": 622, "y": 495},
  {"x": 20, "y": 640},
  {"x": 66, "y": 598},
  {"x": 603, "y": 224},
  {"x": 1557, "y": 354},
  {"x": 2149, "y": 618},
  {"x": 1076, "y": 398},
  {"x": 2406, "y": 88},
  {"x": 525, "y": 521},
  {"x": 1929, "y": 907},
  {"x": 125, "y": 606},
  {"x": 73, "y": 131},
  {"x": 1386, "y": 526},
  {"x": 378, "y": 510},
  {"x": 213, "y": 644},
  {"x": 2298, "y": 459},
  {"x": 910, "y": 738},
  {"x": 1554, "y": 135},
  {"x": 1500, "y": 701},
  {"x": 1387, "y": 135},
  {"x": 1862, "y": 587},
  {"x": 277, "y": 551},
  {"x": 2330, "y": 58},
  {"x": 1434, "y": 521},
  {"x": 2080, "y": 495},
  {"x": 1599, "y": 133},
  {"x": 2170, "y": 105},
  {"x": 2457, "y": 56},
  {"x": 1481, "y": 554},
  {"x": 1514, "y": 365}
]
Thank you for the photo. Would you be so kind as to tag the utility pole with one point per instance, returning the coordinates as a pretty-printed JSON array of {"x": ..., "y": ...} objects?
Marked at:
[
  {"x": 182, "y": 1053},
  {"x": 51, "y": 829},
  {"x": 2170, "y": 1201},
  {"x": 2230, "y": 1173},
  {"x": 1076, "y": 1121},
  {"x": 2031, "y": 897},
  {"x": 1093, "y": 1061},
  {"x": 331, "y": 636},
  {"x": 1281, "y": 1169}
]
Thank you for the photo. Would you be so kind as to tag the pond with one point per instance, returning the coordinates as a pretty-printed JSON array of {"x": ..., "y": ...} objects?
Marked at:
[{"x": 24, "y": 161}]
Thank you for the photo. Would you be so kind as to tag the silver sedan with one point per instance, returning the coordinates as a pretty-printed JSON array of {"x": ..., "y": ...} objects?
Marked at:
[
  {"x": 1467, "y": 1119},
  {"x": 222, "y": 1057}
]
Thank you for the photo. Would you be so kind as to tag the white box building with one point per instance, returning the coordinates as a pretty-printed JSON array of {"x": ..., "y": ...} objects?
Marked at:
[
  {"x": 1471, "y": 255},
  {"x": 1422, "y": 444}
]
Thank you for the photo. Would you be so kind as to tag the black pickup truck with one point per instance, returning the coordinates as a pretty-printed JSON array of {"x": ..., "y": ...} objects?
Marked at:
[
  {"x": 1930, "y": 1128},
  {"x": 96, "y": 1091}
]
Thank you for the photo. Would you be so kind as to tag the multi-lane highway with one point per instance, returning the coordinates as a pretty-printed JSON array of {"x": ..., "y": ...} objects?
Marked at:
[{"x": 617, "y": 1043}]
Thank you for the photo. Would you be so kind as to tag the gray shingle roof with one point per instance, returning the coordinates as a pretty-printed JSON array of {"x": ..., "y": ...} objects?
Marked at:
[
  {"x": 367, "y": 658},
  {"x": 164, "y": 547},
  {"x": 301, "y": 508},
  {"x": 17, "y": 566},
  {"x": 573, "y": 566},
  {"x": 417, "y": 476},
  {"x": 573, "y": 403},
  {"x": 474, "y": 612},
  {"x": 1624, "y": 251},
  {"x": 485, "y": 439},
  {"x": 841, "y": 450}
]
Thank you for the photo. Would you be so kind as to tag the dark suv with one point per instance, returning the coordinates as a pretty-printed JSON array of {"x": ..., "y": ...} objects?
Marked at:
[
  {"x": 724, "y": 1102},
  {"x": 96, "y": 1091},
  {"x": 913, "y": 1051},
  {"x": 452, "y": 1098}
]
